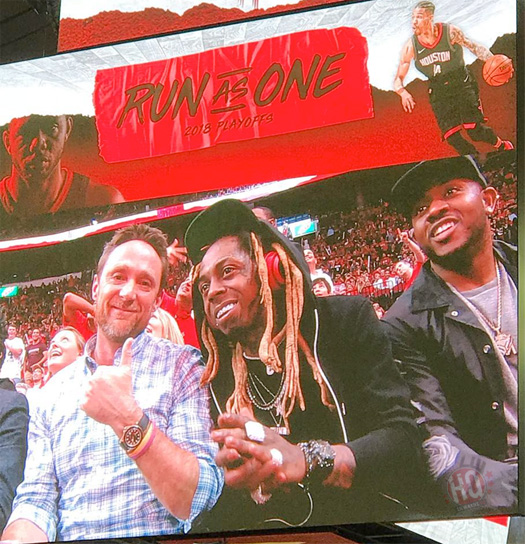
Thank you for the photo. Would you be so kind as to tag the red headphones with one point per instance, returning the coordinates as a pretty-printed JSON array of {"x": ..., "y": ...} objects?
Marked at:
[{"x": 275, "y": 273}]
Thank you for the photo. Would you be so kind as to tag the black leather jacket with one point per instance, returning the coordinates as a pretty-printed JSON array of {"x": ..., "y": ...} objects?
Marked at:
[{"x": 450, "y": 364}]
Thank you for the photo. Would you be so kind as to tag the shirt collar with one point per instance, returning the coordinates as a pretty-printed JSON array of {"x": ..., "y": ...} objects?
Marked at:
[
  {"x": 139, "y": 343},
  {"x": 430, "y": 291}
]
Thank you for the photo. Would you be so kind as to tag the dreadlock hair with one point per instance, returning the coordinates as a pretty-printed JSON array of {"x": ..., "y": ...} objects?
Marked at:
[{"x": 268, "y": 352}]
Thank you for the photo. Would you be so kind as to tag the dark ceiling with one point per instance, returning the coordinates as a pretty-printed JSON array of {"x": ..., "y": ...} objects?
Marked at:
[{"x": 28, "y": 29}]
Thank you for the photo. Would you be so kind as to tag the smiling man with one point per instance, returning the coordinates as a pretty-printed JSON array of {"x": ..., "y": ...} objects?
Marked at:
[
  {"x": 38, "y": 182},
  {"x": 306, "y": 386},
  {"x": 454, "y": 333},
  {"x": 119, "y": 445}
]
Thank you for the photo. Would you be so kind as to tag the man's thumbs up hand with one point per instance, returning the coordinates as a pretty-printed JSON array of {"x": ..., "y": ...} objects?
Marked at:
[{"x": 108, "y": 396}]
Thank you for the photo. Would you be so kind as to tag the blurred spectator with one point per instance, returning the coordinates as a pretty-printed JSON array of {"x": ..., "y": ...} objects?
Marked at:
[
  {"x": 65, "y": 347},
  {"x": 36, "y": 352},
  {"x": 322, "y": 285},
  {"x": 311, "y": 261},
  {"x": 163, "y": 325},
  {"x": 181, "y": 308},
  {"x": 405, "y": 271},
  {"x": 14, "y": 355},
  {"x": 28, "y": 379},
  {"x": 315, "y": 272},
  {"x": 261, "y": 212},
  {"x": 380, "y": 312},
  {"x": 38, "y": 377},
  {"x": 13, "y": 445}
]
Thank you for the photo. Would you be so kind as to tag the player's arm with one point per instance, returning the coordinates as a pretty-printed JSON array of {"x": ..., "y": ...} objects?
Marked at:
[
  {"x": 457, "y": 36},
  {"x": 73, "y": 302},
  {"x": 102, "y": 195},
  {"x": 407, "y": 55}
]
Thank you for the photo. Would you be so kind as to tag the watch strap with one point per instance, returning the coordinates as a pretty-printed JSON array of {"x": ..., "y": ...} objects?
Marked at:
[{"x": 132, "y": 435}]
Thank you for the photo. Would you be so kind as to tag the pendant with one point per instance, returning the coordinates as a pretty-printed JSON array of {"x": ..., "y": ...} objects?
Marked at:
[
  {"x": 283, "y": 431},
  {"x": 505, "y": 344}
]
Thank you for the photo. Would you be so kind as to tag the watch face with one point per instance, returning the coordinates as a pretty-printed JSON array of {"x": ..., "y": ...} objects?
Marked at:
[{"x": 132, "y": 436}]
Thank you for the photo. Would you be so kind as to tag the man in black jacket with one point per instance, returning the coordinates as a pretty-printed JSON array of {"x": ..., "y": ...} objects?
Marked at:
[
  {"x": 306, "y": 387},
  {"x": 454, "y": 333},
  {"x": 13, "y": 444}
]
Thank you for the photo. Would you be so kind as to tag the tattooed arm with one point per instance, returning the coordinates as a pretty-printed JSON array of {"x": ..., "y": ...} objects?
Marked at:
[{"x": 457, "y": 36}]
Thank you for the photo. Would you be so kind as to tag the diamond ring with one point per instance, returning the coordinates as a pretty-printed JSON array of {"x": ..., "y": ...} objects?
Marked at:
[
  {"x": 277, "y": 456},
  {"x": 254, "y": 431}
]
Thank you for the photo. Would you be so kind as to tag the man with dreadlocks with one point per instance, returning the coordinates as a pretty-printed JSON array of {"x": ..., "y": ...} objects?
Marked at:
[{"x": 306, "y": 387}]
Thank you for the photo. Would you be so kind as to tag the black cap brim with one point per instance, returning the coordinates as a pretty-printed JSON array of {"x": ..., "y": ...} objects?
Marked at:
[
  {"x": 224, "y": 218},
  {"x": 410, "y": 187}
]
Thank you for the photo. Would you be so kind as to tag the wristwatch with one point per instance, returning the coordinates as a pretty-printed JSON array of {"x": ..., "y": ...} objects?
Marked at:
[{"x": 132, "y": 435}]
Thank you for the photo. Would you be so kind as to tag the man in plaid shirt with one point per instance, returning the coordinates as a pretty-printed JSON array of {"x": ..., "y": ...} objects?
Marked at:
[{"x": 119, "y": 441}]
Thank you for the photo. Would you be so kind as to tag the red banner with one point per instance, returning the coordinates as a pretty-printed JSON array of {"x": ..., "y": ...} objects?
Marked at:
[{"x": 276, "y": 86}]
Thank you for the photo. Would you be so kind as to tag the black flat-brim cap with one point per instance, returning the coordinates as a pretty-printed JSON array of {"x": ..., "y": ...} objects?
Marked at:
[
  {"x": 224, "y": 218},
  {"x": 410, "y": 187}
]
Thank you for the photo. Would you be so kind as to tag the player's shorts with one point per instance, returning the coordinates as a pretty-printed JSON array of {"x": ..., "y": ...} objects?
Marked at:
[{"x": 455, "y": 102}]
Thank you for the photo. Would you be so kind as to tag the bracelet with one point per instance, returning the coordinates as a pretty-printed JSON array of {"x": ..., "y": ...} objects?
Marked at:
[
  {"x": 320, "y": 457},
  {"x": 259, "y": 496},
  {"x": 145, "y": 443}
]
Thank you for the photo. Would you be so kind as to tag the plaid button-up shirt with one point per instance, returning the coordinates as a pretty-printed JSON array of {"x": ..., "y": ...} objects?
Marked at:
[{"x": 78, "y": 481}]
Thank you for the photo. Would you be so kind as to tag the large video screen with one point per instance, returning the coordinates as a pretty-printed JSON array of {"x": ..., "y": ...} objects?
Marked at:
[
  {"x": 333, "y": 341},
  {"x": 102, "y": 22}
]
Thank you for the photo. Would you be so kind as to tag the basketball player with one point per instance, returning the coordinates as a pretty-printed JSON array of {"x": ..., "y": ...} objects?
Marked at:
[
  {"x": 38, "y": 182},
  {"x": 437, "y": 51}
]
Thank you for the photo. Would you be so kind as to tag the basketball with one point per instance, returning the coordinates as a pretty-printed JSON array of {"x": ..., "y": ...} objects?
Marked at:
[{"x": 498, "y": 70}]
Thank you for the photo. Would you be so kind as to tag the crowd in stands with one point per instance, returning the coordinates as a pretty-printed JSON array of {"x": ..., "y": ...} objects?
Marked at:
[
  {"x": 41, "y": 306},
  {"x": 359, "y": 249},
  {"x": 356, "y": 252}
]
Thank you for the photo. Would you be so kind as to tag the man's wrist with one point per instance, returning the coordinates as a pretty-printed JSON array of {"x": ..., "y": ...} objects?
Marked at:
[
  {"x": 320, "y": 458},
  {"x": 344, "y": 467},
  {"x": 127, "y": 418}
]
